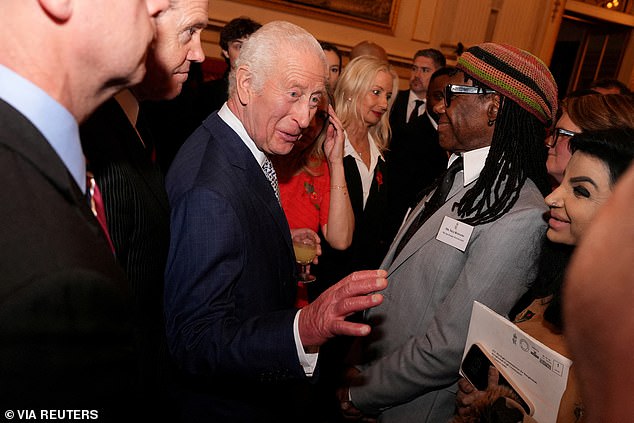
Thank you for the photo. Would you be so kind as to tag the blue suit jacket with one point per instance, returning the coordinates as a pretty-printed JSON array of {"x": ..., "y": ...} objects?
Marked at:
[{"x": 230, "y": 282}]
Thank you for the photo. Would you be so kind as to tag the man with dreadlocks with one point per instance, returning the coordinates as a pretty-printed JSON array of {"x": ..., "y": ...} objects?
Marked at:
[{"x": 479, "y": 242}]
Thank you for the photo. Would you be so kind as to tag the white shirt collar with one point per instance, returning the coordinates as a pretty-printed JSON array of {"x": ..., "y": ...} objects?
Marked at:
[
  {"x": 366, "y": 174},
  {"x": 232, "y": 120},
  {"x": 413, "y": 97},
  {"x": 375, "y": 154},
  {"x": 473, "y": 162},
  {"x": 411, "y": 102},
  {"x": 433, "y": 122}
]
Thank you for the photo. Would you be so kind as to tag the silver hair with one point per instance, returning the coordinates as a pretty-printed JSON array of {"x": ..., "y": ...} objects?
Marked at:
[{"x": 262, "y": 51}]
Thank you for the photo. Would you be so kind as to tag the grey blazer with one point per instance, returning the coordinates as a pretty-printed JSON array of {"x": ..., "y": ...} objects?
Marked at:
[{"x": 410, "y": 362}]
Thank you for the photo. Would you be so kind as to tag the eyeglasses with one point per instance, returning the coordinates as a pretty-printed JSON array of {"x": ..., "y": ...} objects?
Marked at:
[
  {"x": 551, "y": 140},
  {"x": 452, "y": 90}
]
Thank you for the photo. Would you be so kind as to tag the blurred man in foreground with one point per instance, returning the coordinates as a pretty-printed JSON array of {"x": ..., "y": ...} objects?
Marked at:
[{"x": 65, "y": 326}]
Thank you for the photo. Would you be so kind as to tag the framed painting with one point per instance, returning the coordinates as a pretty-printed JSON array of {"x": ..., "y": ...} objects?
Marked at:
[{"x": 375, "y": 15}]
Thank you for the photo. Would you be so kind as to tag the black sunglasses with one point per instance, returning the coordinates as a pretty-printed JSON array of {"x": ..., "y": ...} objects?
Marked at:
[
  {"x": 452, "y": 90},
  {"x": 551, "y": 140}
]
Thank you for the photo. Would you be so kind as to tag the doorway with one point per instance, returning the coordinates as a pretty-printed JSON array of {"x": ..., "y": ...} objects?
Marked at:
[{"x": 586, "y": 50}]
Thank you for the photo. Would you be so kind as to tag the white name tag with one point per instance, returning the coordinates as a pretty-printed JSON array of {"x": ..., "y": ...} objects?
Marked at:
[{"x": 455, "y": 233}]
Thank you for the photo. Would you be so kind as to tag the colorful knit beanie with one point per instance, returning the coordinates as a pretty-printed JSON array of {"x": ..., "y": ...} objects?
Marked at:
[{"x": 514, "y": 73}]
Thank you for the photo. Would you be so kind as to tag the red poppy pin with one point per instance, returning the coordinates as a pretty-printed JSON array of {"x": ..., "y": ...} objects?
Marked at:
[
  {"x": 312, "y": 194},
  {"x": 379, "y": 179}
]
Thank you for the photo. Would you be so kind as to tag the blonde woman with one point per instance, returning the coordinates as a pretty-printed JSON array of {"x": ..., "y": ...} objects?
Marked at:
[{"x": 363, "y": 98}]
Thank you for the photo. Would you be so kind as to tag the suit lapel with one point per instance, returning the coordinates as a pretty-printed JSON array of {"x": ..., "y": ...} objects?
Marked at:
[
  {"x": 429, "y": 229},
  {"x": 400, "y": 107},
  {"x": 254, "y": 180},
  {"x": 29, "y": 143},
  {"x": 137, "y": 150},
  {"x": 355, "y": 188}
]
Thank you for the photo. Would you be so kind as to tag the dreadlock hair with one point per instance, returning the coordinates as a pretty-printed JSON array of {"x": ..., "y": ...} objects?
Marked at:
[{"x": 517, "y": 153}]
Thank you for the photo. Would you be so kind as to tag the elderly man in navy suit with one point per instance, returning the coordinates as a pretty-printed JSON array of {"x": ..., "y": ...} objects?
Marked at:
[{"x": 231, "y": 275}]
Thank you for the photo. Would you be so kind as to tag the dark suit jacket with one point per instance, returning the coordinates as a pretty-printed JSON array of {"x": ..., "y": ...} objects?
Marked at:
[
  {"x": 137, "y": 213},
  {"x": 64, "y": 307},
  {"x": 372, "y": 235},
  {"x": 414, "y": 159},
  {"x": 398, "y": 112},
  {"x": 230, "y": 283},
  {"x": 173, "y": 121}
]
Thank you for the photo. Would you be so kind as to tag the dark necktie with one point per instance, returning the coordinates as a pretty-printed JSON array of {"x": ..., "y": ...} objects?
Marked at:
[
  {"x": 97, "y": 207},
  {"x": 435, "y": 202},
  {"x": 414, "y": 113}
]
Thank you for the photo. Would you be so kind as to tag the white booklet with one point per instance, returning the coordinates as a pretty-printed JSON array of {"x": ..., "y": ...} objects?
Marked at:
[{"x": 535, "y": 372}]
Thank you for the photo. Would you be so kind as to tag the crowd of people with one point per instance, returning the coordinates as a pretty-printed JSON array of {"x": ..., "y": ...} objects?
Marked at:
[{"x": 150, "y": 273}]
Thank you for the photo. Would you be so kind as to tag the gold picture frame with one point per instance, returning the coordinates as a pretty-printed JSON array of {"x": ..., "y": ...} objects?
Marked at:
[{"x": 374, "y": 15}]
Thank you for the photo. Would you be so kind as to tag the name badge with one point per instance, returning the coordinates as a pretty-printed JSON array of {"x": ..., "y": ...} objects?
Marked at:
[{"x": 455, "y": 233}]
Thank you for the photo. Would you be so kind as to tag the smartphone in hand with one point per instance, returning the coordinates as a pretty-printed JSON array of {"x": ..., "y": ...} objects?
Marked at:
[{"x": 475, "y": 368}]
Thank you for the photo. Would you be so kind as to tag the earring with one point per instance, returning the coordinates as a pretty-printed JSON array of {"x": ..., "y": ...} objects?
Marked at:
[
  {"x": 349, "y": 99},
  {"x": 491, "y": 122}
]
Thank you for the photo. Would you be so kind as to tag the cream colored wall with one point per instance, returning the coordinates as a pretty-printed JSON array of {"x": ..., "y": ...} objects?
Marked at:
[{"x": 529, "y": 24}]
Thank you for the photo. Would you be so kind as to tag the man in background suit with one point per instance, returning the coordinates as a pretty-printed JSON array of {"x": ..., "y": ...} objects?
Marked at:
[
  {"x": 119, "y": 153},
  {"x": 65, "y": 324},
  {"x": 414, "y": 159},
  {"x": 482, "y": 243},
  {"x": 213, "y": 94},
  {"x": 231, "y": 274},
  {"x": 173, "y": 120},
  {"x": 424, "y": 64}
]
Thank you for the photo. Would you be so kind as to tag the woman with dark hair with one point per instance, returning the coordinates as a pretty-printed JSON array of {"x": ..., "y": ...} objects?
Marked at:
[
  {"x": 599, "y": 158},
  {"x": 581, "y": 112},
  {"x": 333, "y": 58}
]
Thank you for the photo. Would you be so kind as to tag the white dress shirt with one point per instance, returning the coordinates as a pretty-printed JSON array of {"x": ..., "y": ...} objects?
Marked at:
[
  {"x": 411, "y": 103},
  {"x": 367, "y": 174}
]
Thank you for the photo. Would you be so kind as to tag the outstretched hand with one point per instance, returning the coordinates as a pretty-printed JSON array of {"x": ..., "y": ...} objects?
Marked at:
[{"x": 325, "y": 317}]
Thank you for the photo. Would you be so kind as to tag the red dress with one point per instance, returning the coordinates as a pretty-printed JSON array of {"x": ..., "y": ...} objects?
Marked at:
[
  {"x": 306, "y": 198},
  {"x": 306, "y": 201}
]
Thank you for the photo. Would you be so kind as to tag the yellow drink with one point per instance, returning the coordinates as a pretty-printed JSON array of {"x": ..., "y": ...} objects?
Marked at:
[{"x": 304, "y": 253}]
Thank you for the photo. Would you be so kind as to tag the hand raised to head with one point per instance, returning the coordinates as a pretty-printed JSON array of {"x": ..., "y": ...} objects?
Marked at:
[
  {"x": 324, "y": 318},
  {"x": 335, "y": 138}
]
